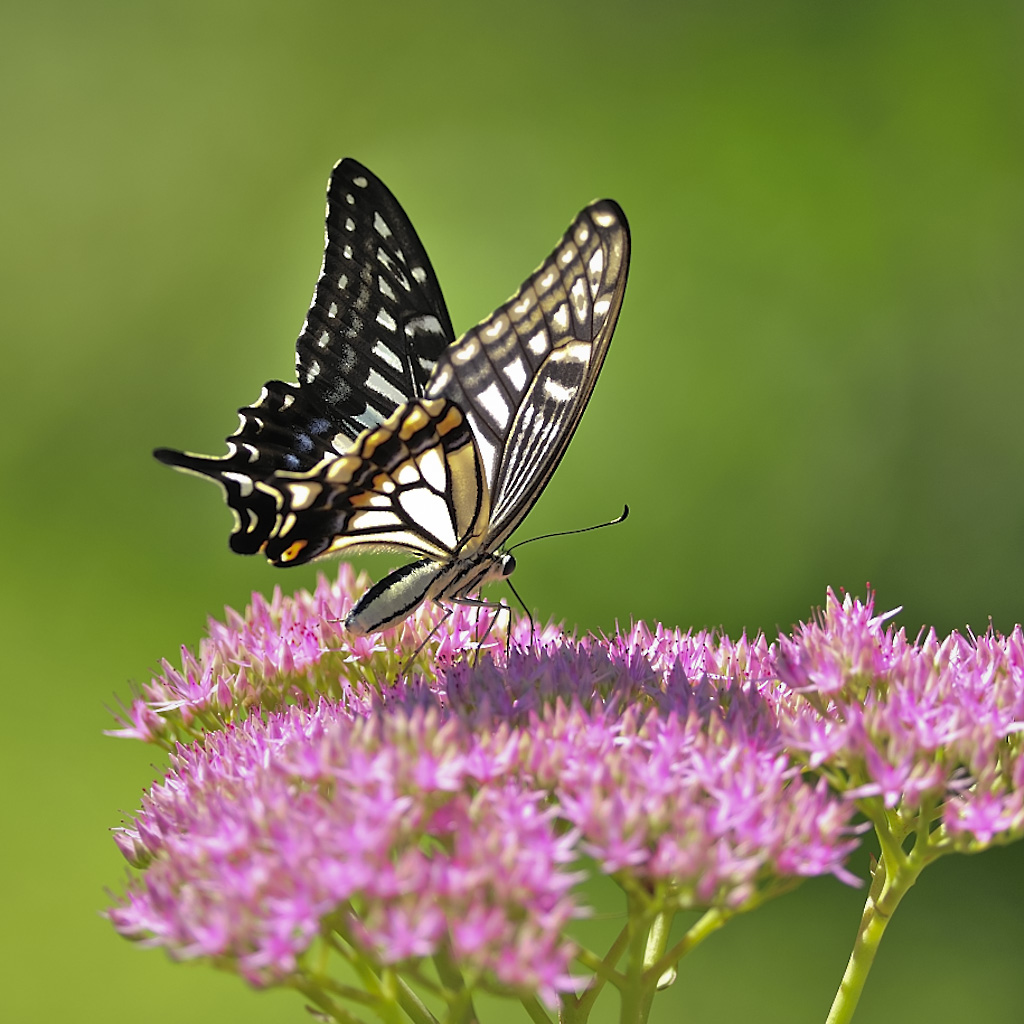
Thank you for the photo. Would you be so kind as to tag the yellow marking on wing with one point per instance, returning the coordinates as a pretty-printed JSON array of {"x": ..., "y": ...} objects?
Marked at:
[
  {"x": 293, "y": 551},
  {"x": 342, "y": 470},
  {"x": 374, "y": 441},
  {"x": 465, "y": 491},
  {"x": 414, "y": 422},
  {"x": 452, "y": 420},
  {"x": 303, "y": 495}
]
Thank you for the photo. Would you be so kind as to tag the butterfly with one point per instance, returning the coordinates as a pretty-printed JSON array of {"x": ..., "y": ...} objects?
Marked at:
[{"x": 397, "y": 436}]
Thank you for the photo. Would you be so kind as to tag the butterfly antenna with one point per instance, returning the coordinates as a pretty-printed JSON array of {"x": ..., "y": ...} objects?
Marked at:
[{"x": 569, "y": 533}]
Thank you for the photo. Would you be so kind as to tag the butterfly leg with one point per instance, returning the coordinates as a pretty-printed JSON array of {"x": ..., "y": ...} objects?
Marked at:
[
  {"x": 423, "y": 643},
  {"x": 522, "y": 604},
  {"x": 472, "y": 602}
]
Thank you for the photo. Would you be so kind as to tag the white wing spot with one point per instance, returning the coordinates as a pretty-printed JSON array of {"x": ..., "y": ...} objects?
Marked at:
[
  {"x": 488, "y": 452},
  {"x": 407, "y": 474},
  {"x": 419, "y": 274},
  {"x": 558, "y": 393},
  {"x": 369, "y": 520},
  {"x": 440, "y": 380},
  {"x": 377, "y": 383},
  {"x": 493, "y": 401},
  {"x": 432, "y": 468},
  {"x": 547, "y": 280},
  {"x": 601, "y": 307},
  {"x": 582, "y": 234},
  {"x": 468, "y": 350},
  {"x": 580, "y": 299},
  {"x": 538, "y": 344},
  {"x": 381, "y": 351},
  {"x": 385, "y": 319},
  {"x": 313, "y": 372},
  {"x": 287, "y": 402},
  {"x": 495, "y": 329},
  {"x": 333, "y": 311},
  {"x": 343, "y": 282},
  {"x": 386, "y": 289},
  {"x": 603, "y": 219},
  {"x": 567, "y": 256},
  {"x": 561, "y": 317},
  {"x": 350, "y": 224},
  {"x": 430, "y": 512},
  {"x": 522, "y": 307},
  {"x": 347, "y": 252},
  {"x": 244, "y": 483},
  {"x": 360, "y": 182},
  {"x": 350, "y": 199},
  {"x": 516, "y": 373},
  {"x": 596, "y": 263},
  {"x": 381, "y": 226},
  {"x": 324, "y": 340}
]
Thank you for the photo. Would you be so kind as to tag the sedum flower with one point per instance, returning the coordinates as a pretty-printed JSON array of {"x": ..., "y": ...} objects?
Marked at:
[
  {"x": 412, "y": 818},
  {"x": 316, "y": 808},
  {"x": 924, "y": 737}
]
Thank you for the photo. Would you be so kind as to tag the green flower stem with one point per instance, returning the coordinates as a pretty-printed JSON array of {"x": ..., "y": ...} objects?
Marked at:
[
  {"x": 315, "y": 994},
  {"x": 535, "y": 1009},
  {"x": 710, "y": 921},
  {"x": 460, "y": 1001},
  {"x": 657, "y": 941},
  {"x": 647, "y": 938},
  {"x": 390, "y": 995},
  {"x": 891, "y": 878},
  {"x": 604, "y": 971}
]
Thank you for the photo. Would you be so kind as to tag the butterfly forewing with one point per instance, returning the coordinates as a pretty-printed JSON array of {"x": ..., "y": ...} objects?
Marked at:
[
  {"x": 524, "y": 375},
  {"x": 378, "y": 321},
  {"x": 371, "y": 339}
]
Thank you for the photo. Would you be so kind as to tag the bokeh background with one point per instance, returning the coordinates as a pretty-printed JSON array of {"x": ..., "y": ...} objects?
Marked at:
[{"x": 816, "y": 380}]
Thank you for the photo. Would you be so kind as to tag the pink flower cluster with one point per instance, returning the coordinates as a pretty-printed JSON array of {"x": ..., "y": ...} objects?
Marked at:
[
  {"x": 459, "y": 807},
  {"x": 932, "y": 725},
  {"x": 314, "y": 796}
]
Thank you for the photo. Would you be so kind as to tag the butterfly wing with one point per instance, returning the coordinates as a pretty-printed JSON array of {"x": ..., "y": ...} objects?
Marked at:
[
  {"x": 414, "y": 483},
  {"x": 375, "y": 329},
  {"x": 524, "y": 375}
]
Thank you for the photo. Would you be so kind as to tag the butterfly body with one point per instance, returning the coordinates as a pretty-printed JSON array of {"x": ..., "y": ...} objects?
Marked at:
[{"x": 456, "y": 439}]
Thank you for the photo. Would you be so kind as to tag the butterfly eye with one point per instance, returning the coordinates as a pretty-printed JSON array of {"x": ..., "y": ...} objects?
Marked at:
[{"x": 508, "y": 565}]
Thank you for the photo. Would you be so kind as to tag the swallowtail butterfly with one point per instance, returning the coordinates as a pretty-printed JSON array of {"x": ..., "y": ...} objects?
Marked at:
[{"x": 398, "y": 437}]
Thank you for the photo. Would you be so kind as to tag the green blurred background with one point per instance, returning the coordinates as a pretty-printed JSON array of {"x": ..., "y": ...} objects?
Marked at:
[{"x": 815, "y": 381}]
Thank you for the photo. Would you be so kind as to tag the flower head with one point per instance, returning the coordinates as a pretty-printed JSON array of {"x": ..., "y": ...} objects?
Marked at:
[{"x": 454, "y": 814}]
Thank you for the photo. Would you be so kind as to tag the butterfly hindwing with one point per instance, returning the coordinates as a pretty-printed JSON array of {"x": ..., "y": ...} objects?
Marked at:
[
  {"x": 414, "y": 483},
  {"x": 375, "y": 329}
]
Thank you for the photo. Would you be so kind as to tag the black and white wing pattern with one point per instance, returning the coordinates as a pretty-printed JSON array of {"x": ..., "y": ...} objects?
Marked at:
[
  {"x": 450, "y": 475},
  {"x": 374, "y": 332}
]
